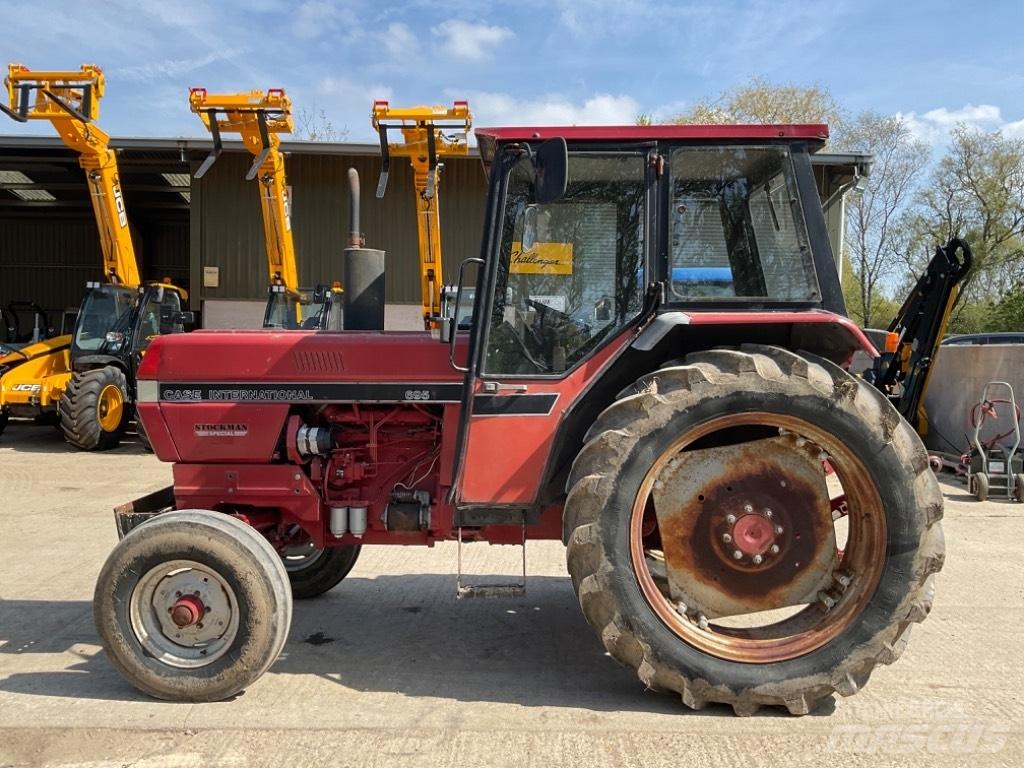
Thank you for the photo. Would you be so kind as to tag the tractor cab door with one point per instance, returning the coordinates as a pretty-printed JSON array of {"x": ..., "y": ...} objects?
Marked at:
[{"x": 563, "y": 288}]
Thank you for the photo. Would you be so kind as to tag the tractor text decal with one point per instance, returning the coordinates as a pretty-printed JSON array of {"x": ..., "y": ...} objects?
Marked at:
[
  {"x": 122, "y": 215},
  {"x": 221, "y": 430},
  {"x": 541, "y": 259}
]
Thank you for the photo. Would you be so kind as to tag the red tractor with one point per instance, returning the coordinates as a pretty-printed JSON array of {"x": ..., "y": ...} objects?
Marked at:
[{"x": 653, "y": 370}]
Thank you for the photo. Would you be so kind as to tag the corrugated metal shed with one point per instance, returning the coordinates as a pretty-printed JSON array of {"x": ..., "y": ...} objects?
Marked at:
[
  {"x": 225, "y": 209},
  {"x": 49, "y": 248}
]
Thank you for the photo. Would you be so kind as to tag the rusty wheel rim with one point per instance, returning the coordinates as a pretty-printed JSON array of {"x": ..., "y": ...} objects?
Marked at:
[{"x": 810, "y": 627}]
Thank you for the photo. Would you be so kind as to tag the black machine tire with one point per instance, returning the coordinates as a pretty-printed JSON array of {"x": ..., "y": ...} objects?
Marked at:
[
  {"x": 143, "y": 437},
  {"x": 979, "y": 486},
  {"x": 629, "y": 437},
  {"x": 4, "y": 418},
  {"x": 79, "y": 414},
  {"x": 242, "y": 559},
  {"x": 323, "y": 573}
]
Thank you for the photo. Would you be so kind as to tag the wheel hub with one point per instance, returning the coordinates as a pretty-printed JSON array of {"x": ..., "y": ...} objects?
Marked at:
[
  {"x": 745, "y": 528},
  {"x": 188, "y": 610},
  {"x": 753, "y": 534}
]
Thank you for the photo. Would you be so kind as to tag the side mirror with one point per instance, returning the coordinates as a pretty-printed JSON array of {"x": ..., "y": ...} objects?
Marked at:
[
  {"x": 171, "y": 319},
  {"x": 550, "y": 170}
]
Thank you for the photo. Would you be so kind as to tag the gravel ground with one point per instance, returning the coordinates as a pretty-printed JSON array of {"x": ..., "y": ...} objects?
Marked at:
[{"x": 388, "y": 669}]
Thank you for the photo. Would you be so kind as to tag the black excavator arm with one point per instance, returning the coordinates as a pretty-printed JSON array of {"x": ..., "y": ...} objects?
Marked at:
[{"x": 904, "y": 368}]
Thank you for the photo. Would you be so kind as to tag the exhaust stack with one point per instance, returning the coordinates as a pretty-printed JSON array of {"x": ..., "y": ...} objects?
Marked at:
[{"x": 362, "y": 272}]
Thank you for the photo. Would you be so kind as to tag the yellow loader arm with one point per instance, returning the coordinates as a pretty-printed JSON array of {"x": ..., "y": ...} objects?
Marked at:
[
  {"x": 258, "y": 117},
  {"x": 423, "y": 131},
  {"x": 71, "y": 102}
]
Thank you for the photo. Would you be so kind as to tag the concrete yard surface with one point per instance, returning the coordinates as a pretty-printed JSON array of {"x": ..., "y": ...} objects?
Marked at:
[{"x": 389, "y": 669}]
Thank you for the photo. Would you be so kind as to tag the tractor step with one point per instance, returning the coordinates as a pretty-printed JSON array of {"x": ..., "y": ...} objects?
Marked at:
[{"x": 464, "y": 591}]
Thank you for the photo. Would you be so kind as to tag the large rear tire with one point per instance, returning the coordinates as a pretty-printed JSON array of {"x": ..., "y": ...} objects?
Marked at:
[
  {"x": 193, "y": 606},
  {"x": 4, "y": 418},
  {"x": 95, "y": 410},
  {"x": 662, "y": 597}
]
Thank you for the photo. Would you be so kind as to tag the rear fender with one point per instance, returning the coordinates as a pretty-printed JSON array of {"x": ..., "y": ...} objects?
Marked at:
[{"x": 671, "y": 336}]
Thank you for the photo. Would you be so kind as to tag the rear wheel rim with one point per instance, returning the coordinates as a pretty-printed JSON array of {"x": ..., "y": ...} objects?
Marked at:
[
  {"x": 209, "y": 604},
  {"x": 110, "y": 407},
  {"x": 809, "y": 628}
]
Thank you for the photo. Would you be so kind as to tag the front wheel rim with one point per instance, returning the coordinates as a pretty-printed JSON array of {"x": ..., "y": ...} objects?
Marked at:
[
  {"x": 110, "y": 407},
  {"x": 811, "y": 627},
  {"x": 184, "y": 614}
]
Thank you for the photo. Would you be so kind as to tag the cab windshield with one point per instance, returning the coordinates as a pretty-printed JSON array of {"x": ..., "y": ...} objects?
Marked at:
[
  {"x": 570, "y": 273},
  {"x": 102, "y": 309}
]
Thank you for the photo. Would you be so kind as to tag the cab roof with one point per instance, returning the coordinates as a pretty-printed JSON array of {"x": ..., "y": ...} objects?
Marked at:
[{"x": 814, "y": 133}]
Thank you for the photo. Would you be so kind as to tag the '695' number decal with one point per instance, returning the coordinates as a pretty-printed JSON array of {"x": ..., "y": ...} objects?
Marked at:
[{"x": 417, "y": 394}]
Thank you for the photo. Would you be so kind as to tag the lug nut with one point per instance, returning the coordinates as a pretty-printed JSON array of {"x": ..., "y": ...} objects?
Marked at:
[
  {"x": 730, "y": 518},
  {"x": 827, "y": 601},
  {"x": 767, "y": 512},
  {"x": 681, "y": 607},
  {"x": 843, "y": 580},
  {"x": 702, "y": 621},
  {"x": 726, "y": 538},
  {"x": 748, "y": 508},
  {"x": 757, "y": 559},
  {"x": 778, "y": 529},
  {"x": 737, "y": 555},
  {"x": 774, "y": 549}
]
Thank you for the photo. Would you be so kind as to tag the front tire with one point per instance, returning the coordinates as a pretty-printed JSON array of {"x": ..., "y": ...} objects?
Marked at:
[
  {"x": 95, "y": 410},
  {"x": 193, "y": 606},
  {"x": 662, "y": 597}
]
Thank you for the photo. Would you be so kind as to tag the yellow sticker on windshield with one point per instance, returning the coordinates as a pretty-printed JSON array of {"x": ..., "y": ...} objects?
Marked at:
[{"x": 541, "y": 259}]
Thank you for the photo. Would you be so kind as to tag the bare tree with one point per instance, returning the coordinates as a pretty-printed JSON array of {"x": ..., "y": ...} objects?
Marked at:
[
  {"x": 313, "y": 124},
  {"x": 762, "y": 102},
  {"x": 875, "y": 227}
]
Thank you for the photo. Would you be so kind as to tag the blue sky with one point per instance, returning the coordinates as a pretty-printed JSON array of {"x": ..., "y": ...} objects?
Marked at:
[{"x": 530, "y": 61}]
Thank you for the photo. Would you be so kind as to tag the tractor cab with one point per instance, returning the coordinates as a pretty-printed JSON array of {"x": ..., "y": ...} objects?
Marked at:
[{"x": 588, "y": 232}]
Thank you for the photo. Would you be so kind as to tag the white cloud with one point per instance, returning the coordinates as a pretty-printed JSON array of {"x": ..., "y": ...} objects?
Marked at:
[
  {"x": 466, "y": 40},
  {"x": 316, "y": 18},
  {"x": 158, "y": 70},
  {"x": 345, "y": 91},
  {"x": 491, "y": 108},
  {"x": 399, "y": 40},
  {"x": 934, "y": 126},
  {"x": 1014, "y": 130}
]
